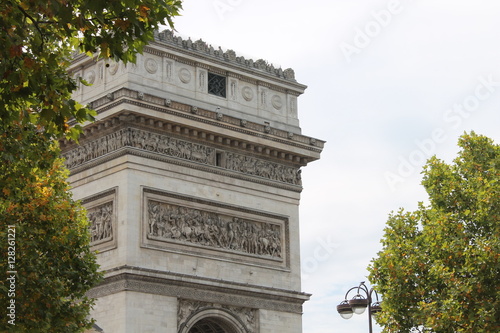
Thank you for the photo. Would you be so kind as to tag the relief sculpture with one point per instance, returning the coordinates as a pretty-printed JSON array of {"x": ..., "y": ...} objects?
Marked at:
[
  {"x": 189, "y": 225},
  {"x": 166, "y": 145},
  {"x": 101, "y": 222},
  {"x": 139, "y": 139},
  {"x": 261, "y": 168}
]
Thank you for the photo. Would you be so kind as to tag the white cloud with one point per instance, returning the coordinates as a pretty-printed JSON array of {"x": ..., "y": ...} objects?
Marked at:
[{"x": 371, "y": 111}]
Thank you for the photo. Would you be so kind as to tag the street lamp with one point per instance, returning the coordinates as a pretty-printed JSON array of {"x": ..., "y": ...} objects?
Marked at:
[{"x": 359, "y": 303}]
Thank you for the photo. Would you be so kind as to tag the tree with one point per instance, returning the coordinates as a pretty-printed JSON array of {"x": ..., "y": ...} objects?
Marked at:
[
  {"x": 49, "y": 262},
  {"x": 45, "y": 251},
  {"x": 439, "y": 269},
  {"x": 38, "y": 38}
]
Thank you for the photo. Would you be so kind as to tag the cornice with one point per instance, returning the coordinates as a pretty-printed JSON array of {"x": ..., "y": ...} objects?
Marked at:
[
  {"x": 216, "y": 119},
  {"x": 228, "y": 58},
  {"x": 165, "y": 44},
  {"x": 138, "y": 279}
]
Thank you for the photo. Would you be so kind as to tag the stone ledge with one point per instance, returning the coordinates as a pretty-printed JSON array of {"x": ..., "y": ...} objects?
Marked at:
[
  {"x": 214, "y": 118},
  {"x": 128, "y": 278}
]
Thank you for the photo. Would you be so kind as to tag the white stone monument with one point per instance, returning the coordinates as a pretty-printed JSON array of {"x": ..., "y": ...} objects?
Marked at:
[{"x": 191, "y": 179}]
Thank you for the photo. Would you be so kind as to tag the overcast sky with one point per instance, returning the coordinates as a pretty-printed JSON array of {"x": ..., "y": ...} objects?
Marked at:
[{"x": 390, "y": 83}]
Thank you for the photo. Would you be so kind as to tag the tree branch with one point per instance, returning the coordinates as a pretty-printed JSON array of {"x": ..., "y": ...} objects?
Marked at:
[{"x": 35, "y": 23}]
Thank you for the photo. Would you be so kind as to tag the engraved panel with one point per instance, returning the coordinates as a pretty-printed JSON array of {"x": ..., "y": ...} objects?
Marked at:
[
  {"x": 262, "y": 168},
  {"x": 191, "y": 225},
  {"x": 101, "y": 219},
  {"x": 101, "y": 212},
  {"x": 228, "y": 232},
  {"x": 293, "y": 105},
  {"x": 202, "y": 80},
  {"x": 233, "y": 88},
  {"x": 263, "y": 97},
  {"x": 168, "y": 69}
]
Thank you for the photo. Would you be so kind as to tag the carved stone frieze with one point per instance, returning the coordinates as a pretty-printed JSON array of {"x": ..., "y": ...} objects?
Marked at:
[
  {"x": 195, "y": 226},
  {"x": 166, "y": 221},
  {"x": 262, "y": 168},
  {"x": 173, "y": 147}
]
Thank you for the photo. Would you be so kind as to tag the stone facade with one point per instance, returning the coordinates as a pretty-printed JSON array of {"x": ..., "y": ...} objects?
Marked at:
[{"x": 191, "y": 180}]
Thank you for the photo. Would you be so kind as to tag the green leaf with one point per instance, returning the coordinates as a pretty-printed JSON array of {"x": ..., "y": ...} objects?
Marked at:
[{"x": 439, "y": 267}]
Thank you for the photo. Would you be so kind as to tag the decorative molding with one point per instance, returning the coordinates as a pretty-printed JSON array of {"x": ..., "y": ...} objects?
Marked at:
[
  {"x": 202, "y": 80},
  {"x": 138, "y": 279},
  {"x": 168, "y": 69},
  {"x": 263, "y": 97},
  {"x": 293, "y": 104},
  {"x": 156, "y": 52},
  {"x": 233, "y": 87},
  {"x": 123, "y": 95}
]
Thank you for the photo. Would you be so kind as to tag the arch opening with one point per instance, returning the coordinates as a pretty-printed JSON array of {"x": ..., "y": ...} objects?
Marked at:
[{"x": 212, "y": 325}]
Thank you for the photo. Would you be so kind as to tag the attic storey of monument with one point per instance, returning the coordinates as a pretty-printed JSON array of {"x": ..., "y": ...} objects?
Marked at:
[{"x": 192, "y": 189}]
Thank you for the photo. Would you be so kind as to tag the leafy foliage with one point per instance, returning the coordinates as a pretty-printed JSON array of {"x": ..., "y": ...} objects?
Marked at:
[
  {"x": 55, "y": 266},
  {"x": 38, "y": 38},
  {"x": 439, "y": 269}
]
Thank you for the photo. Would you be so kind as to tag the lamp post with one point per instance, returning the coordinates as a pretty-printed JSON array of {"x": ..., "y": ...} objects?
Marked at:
[{"x": 359, "y": 303}]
